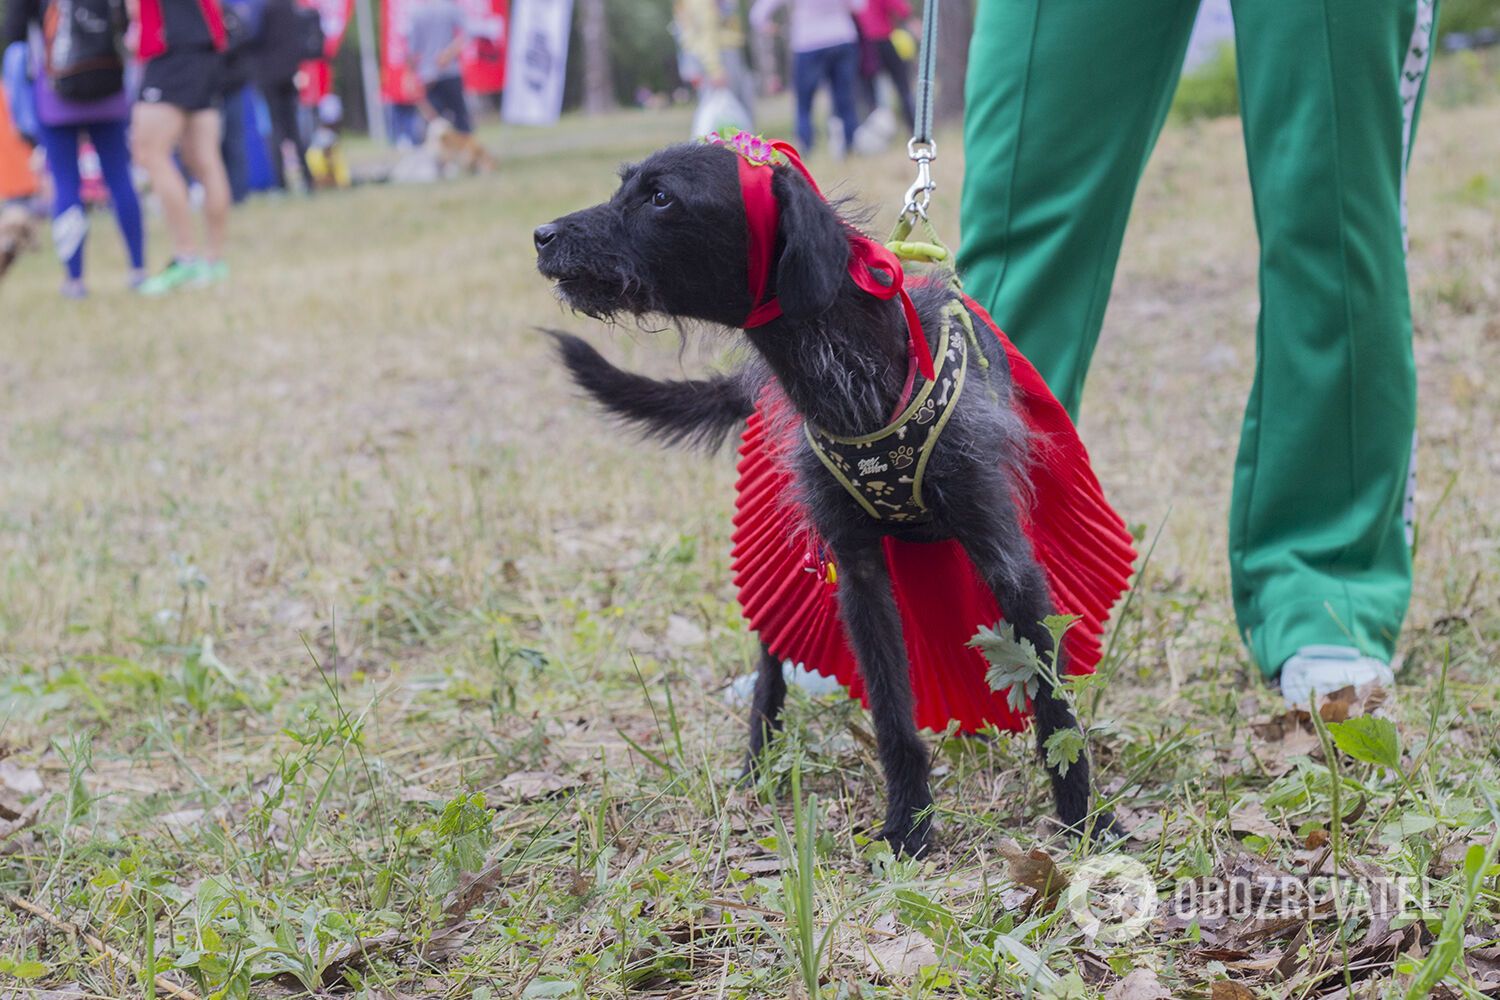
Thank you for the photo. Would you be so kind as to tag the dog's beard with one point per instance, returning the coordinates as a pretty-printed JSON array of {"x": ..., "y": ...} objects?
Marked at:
[{"x": 601, "y": 295}]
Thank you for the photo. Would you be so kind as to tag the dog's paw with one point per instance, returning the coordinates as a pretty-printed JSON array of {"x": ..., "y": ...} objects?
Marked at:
[
  {"x": 1100, "y": 829},
  {"x": 906, "y": 836}
]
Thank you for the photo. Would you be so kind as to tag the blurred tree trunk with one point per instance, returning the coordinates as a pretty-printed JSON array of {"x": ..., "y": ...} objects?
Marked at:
[
  {"x": 955, "y": 26},
  {"x": 598, "y": 88}
]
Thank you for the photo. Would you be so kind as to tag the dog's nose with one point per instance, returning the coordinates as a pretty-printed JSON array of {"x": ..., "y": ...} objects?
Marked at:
[{"x": 544, "y": 235}]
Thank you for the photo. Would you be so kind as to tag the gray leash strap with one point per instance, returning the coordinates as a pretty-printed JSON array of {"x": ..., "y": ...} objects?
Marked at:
[{"x": 921, "y": 147}]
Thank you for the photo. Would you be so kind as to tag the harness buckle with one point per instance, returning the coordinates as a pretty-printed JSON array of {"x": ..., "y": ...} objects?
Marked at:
[{"x": 920, "y": 193}]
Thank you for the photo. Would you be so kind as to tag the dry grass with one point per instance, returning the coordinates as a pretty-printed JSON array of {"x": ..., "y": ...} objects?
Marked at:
[{"x": 291, "y": 570}]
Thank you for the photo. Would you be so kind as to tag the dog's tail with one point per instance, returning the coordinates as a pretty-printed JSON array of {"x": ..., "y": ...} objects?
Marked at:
[{"x": 699, "y": 413}]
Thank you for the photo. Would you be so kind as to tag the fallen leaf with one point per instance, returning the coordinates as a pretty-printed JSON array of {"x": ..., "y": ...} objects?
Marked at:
[
  {"x": 1141, "y": 984},
  {"x": 1316, "y": 839},
  {"x": 902, "y": 957},
  {"x": 418, "y": 793},
  {"x": 1034, "y": 869},
  {"x": 16, "y": 784},
  {"x": 1226, "y": 989},
  {"x": 1338, "y": 704},
  {"x": 1284, "y": 738},
  {"x": 528, "y": 786},
  {"x": 1250, "y": 817}
]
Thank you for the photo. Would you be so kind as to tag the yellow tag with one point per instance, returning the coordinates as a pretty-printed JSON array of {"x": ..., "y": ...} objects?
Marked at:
[{"x": 833, "y": 573}]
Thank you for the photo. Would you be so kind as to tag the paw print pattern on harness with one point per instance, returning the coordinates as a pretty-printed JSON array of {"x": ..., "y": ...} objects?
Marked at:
[{"x": 907, "y": 441}]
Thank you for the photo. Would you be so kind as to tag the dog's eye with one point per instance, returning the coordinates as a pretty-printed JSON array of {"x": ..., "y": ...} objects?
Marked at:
[{"x": 660, "y": 199}]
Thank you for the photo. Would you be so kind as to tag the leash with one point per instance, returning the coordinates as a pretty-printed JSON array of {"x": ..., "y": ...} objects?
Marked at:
[{"x": 921, "y": 147}]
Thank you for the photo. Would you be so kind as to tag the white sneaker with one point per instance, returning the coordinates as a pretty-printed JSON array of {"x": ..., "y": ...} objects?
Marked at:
[
  {"x": 1314, "y": 671},
  {"x": 742, "y": 688}
]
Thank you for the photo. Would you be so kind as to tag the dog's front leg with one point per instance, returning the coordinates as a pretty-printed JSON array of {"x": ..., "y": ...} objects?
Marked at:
[
  {"x": 986, "y": 522},
  {"x": 868, "y": 608}
]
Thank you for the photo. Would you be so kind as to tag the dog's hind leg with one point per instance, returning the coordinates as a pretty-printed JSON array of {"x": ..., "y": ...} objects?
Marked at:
[
  {"x": 989, "y": 528},
  {"x": 765, "y": 706},
  {"x": 868, "y": 608}
]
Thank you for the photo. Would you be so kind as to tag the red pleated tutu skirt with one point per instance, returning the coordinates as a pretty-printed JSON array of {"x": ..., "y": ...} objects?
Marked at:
[{"x": 787, "y": 596}]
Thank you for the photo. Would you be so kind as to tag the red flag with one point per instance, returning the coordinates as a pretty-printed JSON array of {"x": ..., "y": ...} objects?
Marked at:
[
  {"x": 488, "y": 25},
  {"x": 398, "y": 83}
]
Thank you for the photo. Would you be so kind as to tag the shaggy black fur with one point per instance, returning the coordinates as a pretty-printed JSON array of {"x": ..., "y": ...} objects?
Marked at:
[{"x": 672, "y": 241}]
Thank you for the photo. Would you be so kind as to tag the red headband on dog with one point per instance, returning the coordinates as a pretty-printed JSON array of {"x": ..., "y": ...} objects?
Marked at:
[{"x": 867, "y": 259}]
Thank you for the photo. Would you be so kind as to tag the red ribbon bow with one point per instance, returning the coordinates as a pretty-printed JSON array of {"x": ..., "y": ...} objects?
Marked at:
[{"x": 869, "y": 262}]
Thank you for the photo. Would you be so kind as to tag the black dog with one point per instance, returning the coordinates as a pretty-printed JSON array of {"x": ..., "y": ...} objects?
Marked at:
[{"x": 673, "y": 241}]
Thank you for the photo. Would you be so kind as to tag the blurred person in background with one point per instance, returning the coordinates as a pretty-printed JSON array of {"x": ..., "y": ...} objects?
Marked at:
[
  {"x": 181, "y": 44},
  {"x": 286, "y": 37},
  {"x": 77, "y": 91},
  {"x": 825, "y": 46},
  {"x": 878, "y": 54},
  {"x": 242, "y": 24},
  {"x": 435, "y": 37},
  {"x": 711, "y": 43}
]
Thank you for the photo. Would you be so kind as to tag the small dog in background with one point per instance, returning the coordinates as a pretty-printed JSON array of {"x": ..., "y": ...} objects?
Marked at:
[
  {"x": 457, "y": 152},
  {"x": 18, "y": 234},
  {"x": 673, "y": 241}
]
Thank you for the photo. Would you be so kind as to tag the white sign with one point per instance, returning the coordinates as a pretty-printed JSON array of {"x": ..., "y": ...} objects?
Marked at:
[{"x": 536, "y": 61}]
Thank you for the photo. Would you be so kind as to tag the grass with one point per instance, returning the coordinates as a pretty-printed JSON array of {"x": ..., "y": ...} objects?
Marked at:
[{"x": 342, "y": 648}]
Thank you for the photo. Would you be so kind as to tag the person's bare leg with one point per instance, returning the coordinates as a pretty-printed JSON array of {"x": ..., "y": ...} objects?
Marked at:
[
  {"x": 154, "y": 132},
  {"x": 200, "y": 151}
]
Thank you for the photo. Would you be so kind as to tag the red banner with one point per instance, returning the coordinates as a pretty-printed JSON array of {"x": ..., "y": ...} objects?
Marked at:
[
  {"x": 488, "y": 25},
  {"x": 398, "y": 84}
]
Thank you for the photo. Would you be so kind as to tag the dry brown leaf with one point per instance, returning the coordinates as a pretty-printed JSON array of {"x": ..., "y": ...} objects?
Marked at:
[
  {"x": 1226, "y": 989},
  {"x": 1034, "y": 869},
  {"x": 1141, "y": 984},
  {"x": 1283, "y": 738},
  {"x": 1250, "y": 817},
  {"x": 1316, "y": 839},
  {"x": 902, "y": 957},
  {"x": 529, "y": 786},
  {"x": 17, "y": 784},
  {"x": 1338, "y": 704}
]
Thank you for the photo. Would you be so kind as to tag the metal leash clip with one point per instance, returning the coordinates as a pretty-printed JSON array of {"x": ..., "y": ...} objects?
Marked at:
[{"x": 920, "y": 192}]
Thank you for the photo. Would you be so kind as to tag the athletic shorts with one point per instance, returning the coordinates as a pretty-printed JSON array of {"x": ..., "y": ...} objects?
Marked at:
[{"x": 185, "y": 78}]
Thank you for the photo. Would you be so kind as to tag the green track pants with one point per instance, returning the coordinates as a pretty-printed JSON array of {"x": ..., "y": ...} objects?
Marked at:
[{"x": 1065, "y": 99}]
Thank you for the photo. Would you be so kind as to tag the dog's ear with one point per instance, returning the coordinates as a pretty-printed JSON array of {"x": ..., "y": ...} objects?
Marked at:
[{"x": 815, "y": 254}]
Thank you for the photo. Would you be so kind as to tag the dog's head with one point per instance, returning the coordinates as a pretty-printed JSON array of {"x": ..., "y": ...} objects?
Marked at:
[{"x": 673, "y": 240}]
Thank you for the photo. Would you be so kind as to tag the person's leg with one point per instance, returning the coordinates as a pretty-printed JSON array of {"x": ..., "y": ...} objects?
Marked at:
[
  {"x": 864, "y": 85},
  {"x": 154, "y": 132},
  {"x": 807, "y": 69},
  {"x": 456, "y": 104},
  {"x": 843, "y": 72},
  {"x": 461, "y": 119},
  {"x": 69, "y": 221},
  {"x": 200, "y": 154},
  {"x": 112, "y": 142},
  {"x": 1063, "y": 105},
  {"x": 900, "y": 73},
  {"x": 282, "y": 112},
  {"x": 232, "y": 145},
  {"x": 1318, "y": 550}
]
